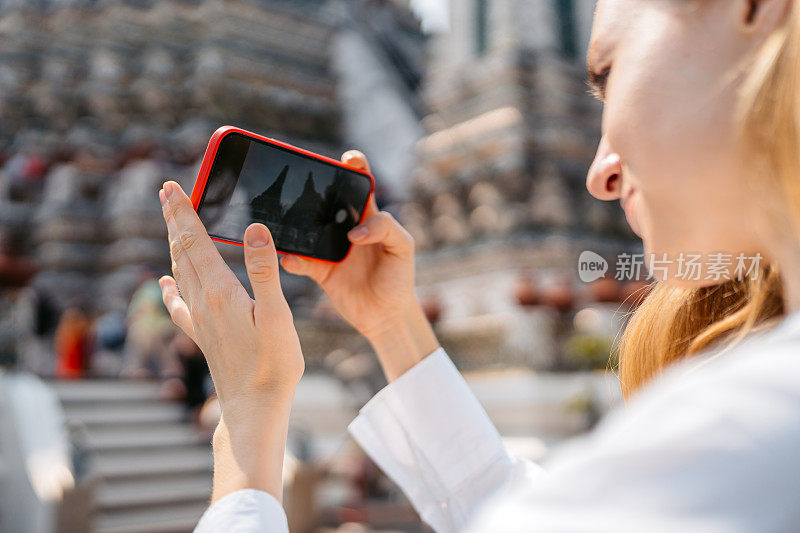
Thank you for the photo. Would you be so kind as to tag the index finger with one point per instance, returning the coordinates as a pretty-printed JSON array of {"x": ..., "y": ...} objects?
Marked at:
[
  {"x": 355, "y": 159},
  {"x": 371, "y": 209},
  {"x": 192, "y": 235}
]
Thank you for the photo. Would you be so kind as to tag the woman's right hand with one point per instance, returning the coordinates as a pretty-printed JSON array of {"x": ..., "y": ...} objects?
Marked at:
[
  {"x": 251, "y": 346},
  {"x": 373, "y": 288}
]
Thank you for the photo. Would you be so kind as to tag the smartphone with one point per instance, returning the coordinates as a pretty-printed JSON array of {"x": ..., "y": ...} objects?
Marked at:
[{"x": 309, "y": 202}]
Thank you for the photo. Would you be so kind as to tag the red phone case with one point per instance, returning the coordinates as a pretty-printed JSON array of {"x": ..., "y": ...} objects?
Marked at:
[{"x": 211, "y": 154}]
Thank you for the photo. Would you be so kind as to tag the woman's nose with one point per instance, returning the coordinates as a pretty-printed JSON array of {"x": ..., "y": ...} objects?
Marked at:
[{"x": 604, "y": 180}]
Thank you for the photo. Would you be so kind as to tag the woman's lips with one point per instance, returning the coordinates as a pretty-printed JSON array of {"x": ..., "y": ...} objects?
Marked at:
[{"x": 628, "y": 203}]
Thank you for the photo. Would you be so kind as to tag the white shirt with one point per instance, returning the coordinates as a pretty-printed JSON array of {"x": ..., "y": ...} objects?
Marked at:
[{"x": 712, "y": 446}]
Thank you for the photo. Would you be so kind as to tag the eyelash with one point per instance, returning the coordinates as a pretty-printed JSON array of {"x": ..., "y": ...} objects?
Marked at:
[{"x": 597, "y": 83}]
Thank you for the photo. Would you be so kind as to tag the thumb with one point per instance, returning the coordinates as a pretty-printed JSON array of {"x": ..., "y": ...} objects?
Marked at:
[{"x": 261, "y": 261}]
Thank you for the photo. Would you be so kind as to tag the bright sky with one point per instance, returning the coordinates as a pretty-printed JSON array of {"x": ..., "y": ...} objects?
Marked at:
[{"x": 434, "y": 14}]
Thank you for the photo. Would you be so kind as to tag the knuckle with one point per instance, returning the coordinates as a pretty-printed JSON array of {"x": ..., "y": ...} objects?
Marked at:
[
  {"x": 175, "y": 249},
  {"x": 173, "y": 210},
  {"x": 169, "y": 211},
  {"x": 262, "y": 273},
  {"x": 188, "y": 239}
]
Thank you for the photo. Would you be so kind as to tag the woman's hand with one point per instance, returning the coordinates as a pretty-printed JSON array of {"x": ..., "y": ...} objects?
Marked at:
[
  {"x": 373, "y": 289},
  {"x": 251, "y": 346}
]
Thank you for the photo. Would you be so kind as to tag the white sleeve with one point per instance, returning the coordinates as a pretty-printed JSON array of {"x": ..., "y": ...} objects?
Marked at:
[
  {"x": 244, "y": 511},
  {"x": 427, "y": 431},
  {"x": 708, "y": 448}
]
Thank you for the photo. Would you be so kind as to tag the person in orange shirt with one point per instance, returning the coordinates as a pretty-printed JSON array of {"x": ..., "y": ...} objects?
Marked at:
[{"x": 73, "y": 345}]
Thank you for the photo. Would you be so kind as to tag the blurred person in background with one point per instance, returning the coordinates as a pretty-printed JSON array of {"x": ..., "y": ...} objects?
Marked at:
[
  {"x": 149, "y": 331},
  {"x": 701, "y": 145},
  {"x": 189, "y": 380},
  {"x": 109, "y": 333},
  {"x": 194, "y": 373},
  {"x": 30, "y": 315},
  {"x": 37, "y": 317},
  {"x": 9, "y": 343},
  {"x": 16, "y": 324},
  {"x": 25, "y": 171},
  {"x": 15, "y": 268},
  {"x": 73, "y": 344}
]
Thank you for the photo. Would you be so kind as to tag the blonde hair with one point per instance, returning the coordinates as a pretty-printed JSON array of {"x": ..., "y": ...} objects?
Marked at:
[{"x": 673, "y": 323}]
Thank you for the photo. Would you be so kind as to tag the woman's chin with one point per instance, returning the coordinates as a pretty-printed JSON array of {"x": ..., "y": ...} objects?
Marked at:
[
  {"x": 634, "y": 225},
  {"x": 669, "y": 273}
]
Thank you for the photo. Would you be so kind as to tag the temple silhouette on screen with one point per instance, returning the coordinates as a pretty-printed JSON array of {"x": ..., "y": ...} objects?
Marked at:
[{"x": 311, "y": 216}]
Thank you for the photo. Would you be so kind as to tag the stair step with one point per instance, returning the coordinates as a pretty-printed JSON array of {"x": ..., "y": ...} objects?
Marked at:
[
  {"x": 176, "y": 519},
  {"x": 141, "y": 464},
  {"x": 150, "y": 493},
  {"x": 114, "y": 403},
  {"x": 106, "y": 390},
  {"x": 151, "y": 469},
  {"x": 125, "y": 437},
  {"x": 113, "y": 414}
]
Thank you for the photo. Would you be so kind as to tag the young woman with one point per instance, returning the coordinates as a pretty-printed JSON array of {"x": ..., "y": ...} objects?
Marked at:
[{"x": 701, "y": 138}]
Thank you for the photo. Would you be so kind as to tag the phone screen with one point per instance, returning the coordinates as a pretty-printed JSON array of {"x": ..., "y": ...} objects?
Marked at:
[{"x": 307, "y": 204}]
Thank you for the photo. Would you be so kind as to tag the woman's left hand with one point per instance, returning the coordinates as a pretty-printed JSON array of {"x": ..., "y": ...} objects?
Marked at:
[{"x": 251, "y": 346}]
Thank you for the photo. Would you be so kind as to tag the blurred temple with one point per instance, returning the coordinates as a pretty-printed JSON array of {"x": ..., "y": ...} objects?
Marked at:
[
  {"x": 479, "y": 130},
  {"x": 102, "y": 101},
  {"x": 499, "y": 208}
]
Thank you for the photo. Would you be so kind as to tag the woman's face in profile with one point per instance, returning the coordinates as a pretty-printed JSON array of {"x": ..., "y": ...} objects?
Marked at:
[{"x": 669, "y": 73}]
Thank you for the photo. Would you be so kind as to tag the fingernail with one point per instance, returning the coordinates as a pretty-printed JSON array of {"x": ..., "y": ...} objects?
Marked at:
[
  {"x": 257, "y": 236},
  {"x": 358, "y": 233},
  {"x": 169, "y": 189},
  {"x": 162, "y": 197}
]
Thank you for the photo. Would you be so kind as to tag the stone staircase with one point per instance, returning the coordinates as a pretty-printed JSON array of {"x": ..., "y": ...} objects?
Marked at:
[{"x": 150, "y": 469}]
